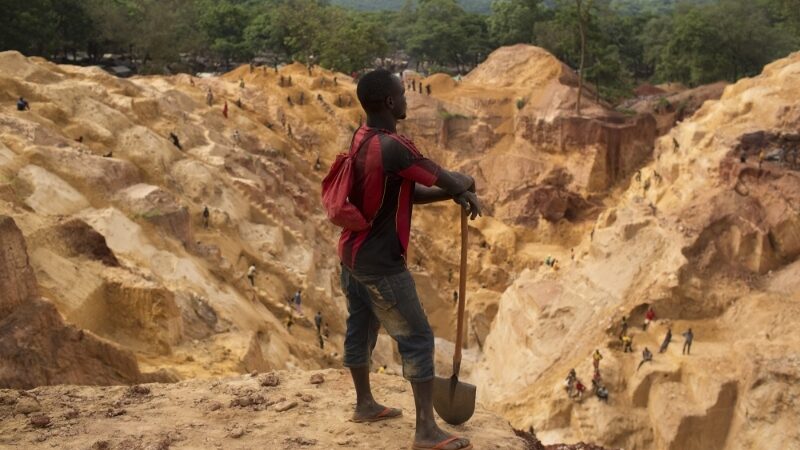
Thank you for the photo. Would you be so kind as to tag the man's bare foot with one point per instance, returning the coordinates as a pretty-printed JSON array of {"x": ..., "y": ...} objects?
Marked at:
[
  {"x": 373, "y": 412},
  {"x": 437, "y": 438}
]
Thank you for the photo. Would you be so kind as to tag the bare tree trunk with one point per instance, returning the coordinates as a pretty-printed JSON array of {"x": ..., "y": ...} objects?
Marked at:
[{"x": 582, "y": 30}]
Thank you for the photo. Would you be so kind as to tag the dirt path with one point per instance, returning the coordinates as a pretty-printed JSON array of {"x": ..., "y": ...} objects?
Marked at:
[{"x": 232, "y": 413}]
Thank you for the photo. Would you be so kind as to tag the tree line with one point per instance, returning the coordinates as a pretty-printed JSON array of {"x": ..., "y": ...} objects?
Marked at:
[{"x": 625, "y": 41}]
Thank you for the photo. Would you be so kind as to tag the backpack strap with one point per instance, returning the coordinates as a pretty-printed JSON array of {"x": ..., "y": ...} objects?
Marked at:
[
  {"x": 403, "y": 141},
  {"x": 370, "y": 134}
]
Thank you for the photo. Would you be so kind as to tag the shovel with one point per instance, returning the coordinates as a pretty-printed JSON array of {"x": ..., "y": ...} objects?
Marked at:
[{"x": 453, "y": 400}]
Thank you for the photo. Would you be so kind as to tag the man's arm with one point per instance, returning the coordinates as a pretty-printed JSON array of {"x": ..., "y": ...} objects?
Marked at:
[
  {"x": 440, "y": 184},
  {"x": 448, "y": 186},
  {"x": 451, "y": 185}
]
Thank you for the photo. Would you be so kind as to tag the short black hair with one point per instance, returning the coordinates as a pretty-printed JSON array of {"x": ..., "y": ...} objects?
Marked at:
[{"x": 374, "y": 87}]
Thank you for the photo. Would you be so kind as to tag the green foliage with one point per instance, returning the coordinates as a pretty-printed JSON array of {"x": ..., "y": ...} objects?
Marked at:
[
  {"x": 514, "y": 21},
  {"x": 352, "y": 43},
  {"x": 627, "y": 41},
  {"x": 447, "y": 115},
  {"x": 224, "y": 23},
  {"x": 476, "y": 6},
  {"x": 446, "y": 34},
  {"x": 721, "y": 41}
]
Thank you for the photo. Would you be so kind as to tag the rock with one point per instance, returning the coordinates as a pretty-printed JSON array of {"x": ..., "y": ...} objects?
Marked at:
[
  {"x": 114, "y": 412},
  {"x": 285, "y": 406},
  {"x": 40, "y": 421},
  {"x": 213, "y": 406},
  {"x": 247, "y": 400},
  {"x": 254, "y": 374},
  {"x": 307, "y": 398},
  {"x": 101, "y": 445},
  {"x": 71, "y": 414},
  {"x": 138, "y": 390},
  {"x": 236, "y": 432},
  {"x": 8, "y": 398},
  {"x": 317, "y": 378},
  {"x": 270, "y": 380},
  {"x": 301, "y": 441},
  {"x": 27, "y": 405}
]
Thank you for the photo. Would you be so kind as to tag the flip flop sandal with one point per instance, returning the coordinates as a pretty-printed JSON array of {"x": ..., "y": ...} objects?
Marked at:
[
  {"x": 387, "y": 413},
  {"x": 443, "y": 444}
]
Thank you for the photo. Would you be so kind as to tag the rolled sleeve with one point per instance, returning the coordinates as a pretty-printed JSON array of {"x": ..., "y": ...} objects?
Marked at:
[{"x": 410, "y": 165}]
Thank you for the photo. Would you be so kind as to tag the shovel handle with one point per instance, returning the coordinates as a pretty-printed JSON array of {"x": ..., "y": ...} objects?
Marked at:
[{"x": 462, "y": 291}]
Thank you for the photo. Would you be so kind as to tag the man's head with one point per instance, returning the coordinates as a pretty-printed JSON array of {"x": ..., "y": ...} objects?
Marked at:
[{"x": 381, "y": 92}]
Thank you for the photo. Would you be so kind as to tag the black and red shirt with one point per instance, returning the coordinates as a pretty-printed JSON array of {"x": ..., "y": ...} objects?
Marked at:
[{"x": 386, "y": 169}]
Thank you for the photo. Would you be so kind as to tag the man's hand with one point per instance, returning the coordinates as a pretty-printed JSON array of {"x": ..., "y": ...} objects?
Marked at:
[{"x": 469, "y": 201}]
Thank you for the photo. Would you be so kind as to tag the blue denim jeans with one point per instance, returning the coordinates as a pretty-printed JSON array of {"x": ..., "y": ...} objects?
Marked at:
[{"x": 390, "y": 301}]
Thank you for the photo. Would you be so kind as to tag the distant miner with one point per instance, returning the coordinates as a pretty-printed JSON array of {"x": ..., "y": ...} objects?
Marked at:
[
  {"x": 666, "y": 341},
  {"x": 175, "y": 141},
  {"x": 251, "y": 274},
  {"x": 22, "y": 105},
  {"x": 647, "y": 356},
  {"x": 687, "y": 343}
]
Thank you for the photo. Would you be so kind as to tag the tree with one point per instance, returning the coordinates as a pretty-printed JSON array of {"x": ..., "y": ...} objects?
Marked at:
[
  {"x": 583, "y": 14},
  {"x": 727, "y": 40},
  {"x": 401, "y": 26},
  {"x": 27, "y": 27},
  {"x": 291, "y": 27},
  {"x": 352, "y": 43},
  {"x": 223, "y": 22},
  {"x": 446, "y": 35},
  {"x": 514, "y": 21}
]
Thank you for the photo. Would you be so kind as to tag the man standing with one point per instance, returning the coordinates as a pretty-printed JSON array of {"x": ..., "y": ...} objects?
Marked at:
[
  {"x": 687, "y": 343},
  {"x": 647, "y": 356},
  {"x": 251, "y": 275},
  {"x": 318, "y": 322},
  {"x": 596, "y": 357},
  {"x": 206, "y": 215},
  {"x": 389, "y": 176},
  {"x": 666, "y": 341},
  {"x": 298, "y": 299},
  {"x": 627, "y": 343}
]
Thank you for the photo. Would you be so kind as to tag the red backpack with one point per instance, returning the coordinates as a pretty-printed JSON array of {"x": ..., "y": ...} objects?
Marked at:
[{"x": 336, "y": 189}]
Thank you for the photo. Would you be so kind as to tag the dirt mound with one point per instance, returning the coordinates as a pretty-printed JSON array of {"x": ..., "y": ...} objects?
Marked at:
[
  {"x": 440, "y": 83},
  {"x": 36, "y": 346},
  {"x": 697, "y": 235},
  {"x": 518, "y": 66}
]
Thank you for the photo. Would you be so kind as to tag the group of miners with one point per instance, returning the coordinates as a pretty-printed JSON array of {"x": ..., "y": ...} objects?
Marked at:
[
  {"x": 414, "y": 85},
  {"x": 295, "y": 307},
  {"x": 575, "y": 388}
]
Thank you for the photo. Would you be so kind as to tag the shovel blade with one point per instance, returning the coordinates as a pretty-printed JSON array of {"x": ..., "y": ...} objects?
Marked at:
[{"x": 453, "y": 400}]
